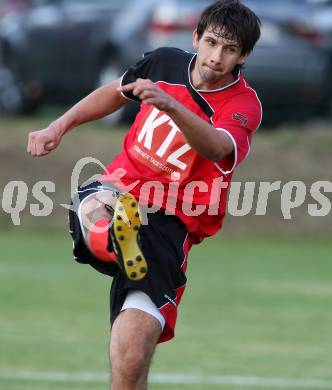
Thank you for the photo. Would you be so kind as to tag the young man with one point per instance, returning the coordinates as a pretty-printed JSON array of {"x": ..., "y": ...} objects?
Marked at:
[{"x": 194, "y": 127}]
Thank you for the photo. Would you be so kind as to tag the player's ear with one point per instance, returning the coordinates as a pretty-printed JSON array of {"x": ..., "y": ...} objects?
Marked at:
[
  {"x": 243, "y": 58},
  {"x": 195, "y": 39}
]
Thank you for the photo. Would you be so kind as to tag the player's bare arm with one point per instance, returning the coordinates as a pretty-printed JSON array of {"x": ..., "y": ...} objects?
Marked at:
[
  {"x": 101, "y": 102},
  {"x": 200, "y": 135}
]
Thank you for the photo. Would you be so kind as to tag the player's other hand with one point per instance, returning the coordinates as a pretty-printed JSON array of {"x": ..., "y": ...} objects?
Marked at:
[
  {"x": 42, "y": 142},
  {"x": 149, "y": 93}
]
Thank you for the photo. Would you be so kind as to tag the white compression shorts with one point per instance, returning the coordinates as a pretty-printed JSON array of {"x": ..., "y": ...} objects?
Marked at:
[{"x": 139, "y": 300}]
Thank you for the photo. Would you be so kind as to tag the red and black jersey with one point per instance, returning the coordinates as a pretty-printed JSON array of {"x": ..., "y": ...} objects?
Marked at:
[{"x": 155, "y": 150}]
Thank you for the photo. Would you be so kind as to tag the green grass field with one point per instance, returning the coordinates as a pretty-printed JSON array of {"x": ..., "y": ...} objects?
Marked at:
[
  {"x": 256, "y": 313},
  {"x": 252, "y": 308}
]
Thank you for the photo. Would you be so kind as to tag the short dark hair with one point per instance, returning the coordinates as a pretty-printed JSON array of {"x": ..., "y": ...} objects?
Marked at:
[{"x": 232, "y": 20}]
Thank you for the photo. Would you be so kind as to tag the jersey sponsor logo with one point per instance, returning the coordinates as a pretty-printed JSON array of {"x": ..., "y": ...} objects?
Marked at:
[
  {"x": 161, "y": 143},
  {"x": 240, "y": 118}
]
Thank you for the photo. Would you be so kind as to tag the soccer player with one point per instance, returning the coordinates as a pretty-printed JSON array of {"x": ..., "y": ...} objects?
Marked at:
[{"x": 195, "y": 125}]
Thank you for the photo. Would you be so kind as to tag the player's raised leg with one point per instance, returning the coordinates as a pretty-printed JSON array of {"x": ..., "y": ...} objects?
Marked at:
[
  {"x": 95, "y": 215},
  {"x": 134, "y": 336}
]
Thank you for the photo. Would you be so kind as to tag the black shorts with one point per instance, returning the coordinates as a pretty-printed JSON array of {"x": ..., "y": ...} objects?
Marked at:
[{"x": 165, "y": 244}]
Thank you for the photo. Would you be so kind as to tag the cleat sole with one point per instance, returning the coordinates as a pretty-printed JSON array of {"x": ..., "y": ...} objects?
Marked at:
[{"x": 124, "y": 234}]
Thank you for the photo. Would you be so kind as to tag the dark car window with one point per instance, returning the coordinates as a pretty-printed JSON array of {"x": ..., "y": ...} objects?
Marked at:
[
  {"x": 319, "y": 2},
  {"x": 37, "y": 3},
  {"x": 94, "y": 1}
]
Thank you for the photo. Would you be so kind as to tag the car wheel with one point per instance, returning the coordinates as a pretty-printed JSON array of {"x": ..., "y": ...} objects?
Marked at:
[
  {"x": 13, "y": 99},
  {"x": 11, "y": 93}
]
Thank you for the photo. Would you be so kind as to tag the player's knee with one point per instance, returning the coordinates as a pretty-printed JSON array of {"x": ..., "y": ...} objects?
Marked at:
[
  {"x": 133, "y": 364},
  {"x": 95, "y": 221},
  {"x": 91, "y": 211}
]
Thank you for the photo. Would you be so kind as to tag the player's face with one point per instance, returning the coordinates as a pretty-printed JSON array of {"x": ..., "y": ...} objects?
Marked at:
[{"x": 216, "y": 59}]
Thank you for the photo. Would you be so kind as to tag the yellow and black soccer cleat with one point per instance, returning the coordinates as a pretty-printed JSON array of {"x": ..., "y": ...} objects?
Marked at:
[{"x": 124, "y": 234}]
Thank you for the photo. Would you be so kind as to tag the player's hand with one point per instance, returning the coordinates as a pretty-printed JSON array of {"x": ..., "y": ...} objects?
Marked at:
[
  {"x": 42, "y": 142},
  {"x": 149, "y": 93}
]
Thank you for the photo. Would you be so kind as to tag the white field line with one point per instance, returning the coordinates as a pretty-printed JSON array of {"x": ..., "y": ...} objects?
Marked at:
[{"x": 179, "y": 379}]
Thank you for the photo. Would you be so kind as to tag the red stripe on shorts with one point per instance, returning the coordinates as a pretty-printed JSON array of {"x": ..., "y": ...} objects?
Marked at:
[{"x": 169, "y": 310}]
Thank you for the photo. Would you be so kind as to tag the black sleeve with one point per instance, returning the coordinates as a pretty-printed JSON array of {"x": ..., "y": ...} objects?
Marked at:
[
  {"x": 155, "y": 65},
  {"x": 140, "y": 70}
]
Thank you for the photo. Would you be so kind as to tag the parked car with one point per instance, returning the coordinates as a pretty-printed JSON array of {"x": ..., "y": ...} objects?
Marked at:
[
  {"x": 289, "y": 70},
  {"x": 62, "y": 49},
  {"x": 310, "y": 20}
]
